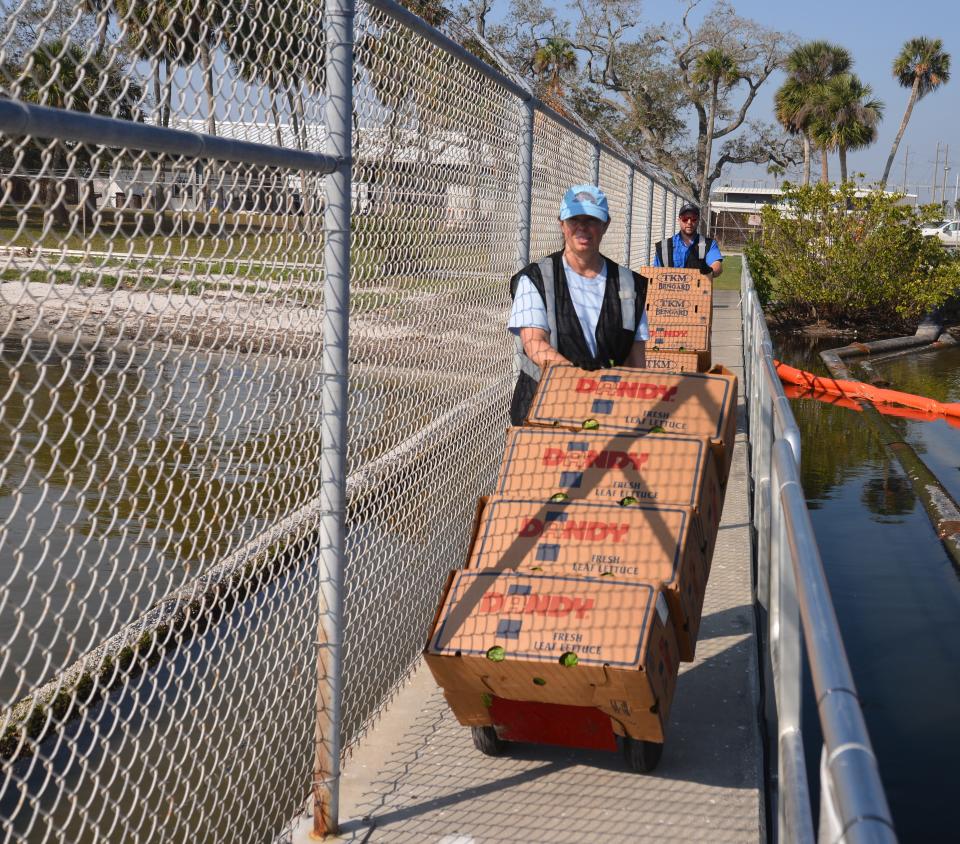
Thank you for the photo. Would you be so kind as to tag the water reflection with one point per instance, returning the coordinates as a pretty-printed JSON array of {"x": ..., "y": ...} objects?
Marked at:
[
  {"x": 936, "y": 375},
  {"x": 888, "y": 496},
  {"x": 836, "y": 441},
  {"x": 896, "y": 595},
  {"x": 126, "y": 475}
]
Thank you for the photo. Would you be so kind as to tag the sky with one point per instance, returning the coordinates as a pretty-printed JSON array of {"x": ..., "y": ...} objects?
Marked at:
[{"x": 873, "y": 33}]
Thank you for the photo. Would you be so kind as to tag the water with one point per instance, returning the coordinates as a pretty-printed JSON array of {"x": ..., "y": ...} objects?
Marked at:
[
  {"x": 121, "y": 479},
  {"x": 896, "y": 593},
  {"x": 124, "y": 478}
]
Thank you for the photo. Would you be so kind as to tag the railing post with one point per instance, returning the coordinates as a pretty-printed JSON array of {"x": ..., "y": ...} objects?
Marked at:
[
  {"x": 629, "y": 220},
  {"x": 795, "y": 821},
  {"x": 746, "y": 316},
  {"x": 334, "y": 398},
  {"x": 596, "y": 163},
  {"x": 761, "y": 449}
]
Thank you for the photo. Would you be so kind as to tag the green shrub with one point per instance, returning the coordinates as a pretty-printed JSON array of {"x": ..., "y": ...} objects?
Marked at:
[
  {"x": 760, "y": 270},
  {"x": 831, "y": 256}
]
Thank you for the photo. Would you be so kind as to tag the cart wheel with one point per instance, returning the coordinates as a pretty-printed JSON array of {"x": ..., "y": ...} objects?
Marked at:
[
  {"x": 643, "y": 756},
  {"x": 487, "y": 741}
]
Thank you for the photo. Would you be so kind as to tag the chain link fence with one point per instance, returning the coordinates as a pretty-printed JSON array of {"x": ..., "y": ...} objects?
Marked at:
[{"x": 165, "y": 212}]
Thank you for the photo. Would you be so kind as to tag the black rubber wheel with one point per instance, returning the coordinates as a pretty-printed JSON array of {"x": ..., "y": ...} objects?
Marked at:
[
  {"x": 486, "y": 740},
  {"x": 642, "y": 756}
]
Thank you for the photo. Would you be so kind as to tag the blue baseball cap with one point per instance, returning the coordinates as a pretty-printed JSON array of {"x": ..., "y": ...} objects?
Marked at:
[{"x": 584, "y": 199}]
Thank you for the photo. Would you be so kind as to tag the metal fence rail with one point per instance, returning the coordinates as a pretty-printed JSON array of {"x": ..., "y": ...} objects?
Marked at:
[
  {"x": 792, "y": 588},
  {"x": 254, "y": 375}
]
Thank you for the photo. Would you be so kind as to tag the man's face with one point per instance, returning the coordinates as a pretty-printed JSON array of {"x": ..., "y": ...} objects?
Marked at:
[
  {"x": 688, "y": 223},
  {"x": 582, "y": 234}
]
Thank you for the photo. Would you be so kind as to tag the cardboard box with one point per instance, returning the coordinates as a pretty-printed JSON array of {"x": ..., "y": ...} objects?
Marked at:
[
  {"x": 667, "y": 361},
  {"x": 651, "y": 543},
  {"x": 592, "y": 465},
  {"x": 678, "y": 297},
  {"x": 679, "y": 338},
  {"x": 667, "y": 281},
  {"x": 622, "y": 400},
  {"x": 626, "y": 651}
]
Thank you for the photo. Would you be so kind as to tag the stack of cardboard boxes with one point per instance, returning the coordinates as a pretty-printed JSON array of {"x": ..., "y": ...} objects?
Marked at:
[
  {"x": 679, "y": 310},
  {"x": 585, "y": 580}
]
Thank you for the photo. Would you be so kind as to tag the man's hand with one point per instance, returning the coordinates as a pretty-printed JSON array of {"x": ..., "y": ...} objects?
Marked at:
[{"x": 536, "y": 346}]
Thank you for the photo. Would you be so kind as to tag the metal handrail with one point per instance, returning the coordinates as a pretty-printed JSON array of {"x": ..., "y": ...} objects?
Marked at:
[
  {"x": 792, "y": 588},
  {"x": 22, "y": 118}
]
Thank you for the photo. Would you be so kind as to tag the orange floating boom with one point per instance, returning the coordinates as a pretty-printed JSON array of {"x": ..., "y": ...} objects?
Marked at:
[
  {"x": 866, "y": 392},
  {"x": 792, "y": 391}
]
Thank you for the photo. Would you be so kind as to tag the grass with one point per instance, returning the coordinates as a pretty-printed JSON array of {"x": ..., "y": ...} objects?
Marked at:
[
  {"x": 226, "y": 237},
  {"x": 106, "y": 281},
  {"x": 730, "y": 280}
]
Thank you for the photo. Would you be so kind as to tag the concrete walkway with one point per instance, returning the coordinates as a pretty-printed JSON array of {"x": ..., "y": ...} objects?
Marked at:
[{"x": 416, "y": 777}]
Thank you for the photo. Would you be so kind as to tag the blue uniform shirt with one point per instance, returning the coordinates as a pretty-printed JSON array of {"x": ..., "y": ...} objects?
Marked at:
[{"x": 680, "y": 250}]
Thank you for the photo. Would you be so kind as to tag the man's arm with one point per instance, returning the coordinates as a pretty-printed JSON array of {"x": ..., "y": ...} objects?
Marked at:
[
  {"x": 714, "y": 258},
  {"x": 637, "y": 357},
  {"x": 536, "y": 346}
]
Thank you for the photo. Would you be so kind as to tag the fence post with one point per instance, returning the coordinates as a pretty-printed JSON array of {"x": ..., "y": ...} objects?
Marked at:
[
  {"x": 666, "y": 232},
  {"x": 334, "y": 397},
  {"x": 596, "y": 163},
  {"x": 629, "y": 219},
  {"x": 651, "y": 243},
  {"x": 526, "y": 185}
]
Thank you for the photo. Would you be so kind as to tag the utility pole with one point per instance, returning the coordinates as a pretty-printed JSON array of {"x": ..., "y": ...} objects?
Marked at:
[
  {"x": 906, "y": 156},
  {"x": 936, "y": 169},
  {"x": 946, "y": 167}
]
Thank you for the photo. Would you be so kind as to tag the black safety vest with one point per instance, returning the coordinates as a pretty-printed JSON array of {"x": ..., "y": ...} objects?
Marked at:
[
  {"x": 623, "y": 305},
  {"x": 696, "y": 254}
]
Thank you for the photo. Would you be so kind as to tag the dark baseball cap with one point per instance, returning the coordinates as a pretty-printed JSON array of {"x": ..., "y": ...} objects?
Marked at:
[{"x": 688, "y": 208}]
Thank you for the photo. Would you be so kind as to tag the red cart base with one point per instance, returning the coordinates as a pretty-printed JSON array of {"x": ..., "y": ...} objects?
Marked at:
[{"x": 559, "y": 724}]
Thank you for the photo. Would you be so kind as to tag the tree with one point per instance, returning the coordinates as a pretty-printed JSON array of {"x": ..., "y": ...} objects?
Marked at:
[
  {"x": 777, "y": 172},
  {"x": 922, "y": 66},
  {"x": 846, "y": 117},
  {"x": 714, "y": 69},
  {"x": 809, "y": 67},
  {"x": 550, "y": 62},
  {"x": 649, "y": 83},
  {"x": 849, "y": 258},
  {"x": 61, "y": 74},
  {"x": 528, "y": 25},
  {"x": 28, "y": 24},
  {"x": 258, "y": 44}
]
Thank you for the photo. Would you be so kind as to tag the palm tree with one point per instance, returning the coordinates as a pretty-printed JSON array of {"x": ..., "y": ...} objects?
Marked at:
[
  {"x": 809, "y": 67},
  {"x": 101, "y": 9},
  {"x": 922, "y": 66},
  {"x": 168, "y": 32},
  {"x": 62, "y": 75},
  {"x": 847, "y": 117},
  {"x": 715, "y": 69},
  {"x": 257, "y": 41},
  {"x": 550, "y": 62}
]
